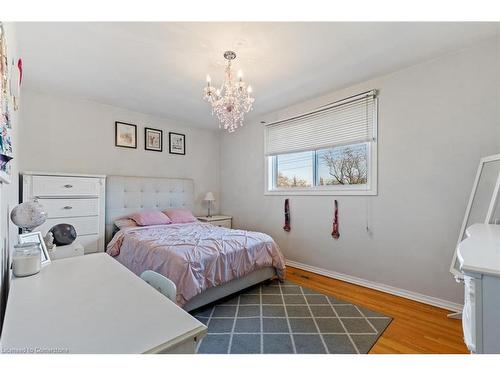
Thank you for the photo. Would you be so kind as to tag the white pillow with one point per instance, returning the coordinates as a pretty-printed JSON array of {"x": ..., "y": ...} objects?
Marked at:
[{"x": 124, "y": 223}]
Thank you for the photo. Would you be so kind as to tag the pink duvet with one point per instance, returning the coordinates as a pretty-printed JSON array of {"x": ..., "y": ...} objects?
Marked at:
[{"x": 195, "y": 256}]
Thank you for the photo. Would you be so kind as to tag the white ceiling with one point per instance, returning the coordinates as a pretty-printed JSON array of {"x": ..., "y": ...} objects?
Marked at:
[{"x": 160, "y": 68}]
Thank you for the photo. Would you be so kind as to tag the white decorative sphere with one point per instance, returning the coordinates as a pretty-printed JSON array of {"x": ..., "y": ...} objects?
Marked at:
[{"x": 28, "y": 215}]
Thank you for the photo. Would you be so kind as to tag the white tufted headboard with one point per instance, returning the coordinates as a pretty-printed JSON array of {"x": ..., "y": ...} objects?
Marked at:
[{"x": 125, "y": 195}]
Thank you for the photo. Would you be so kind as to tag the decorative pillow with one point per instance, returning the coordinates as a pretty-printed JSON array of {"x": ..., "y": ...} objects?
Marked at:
[
  {"x": 124, "y": 223},
  {"x": 150, "y": 217},
  {"x": 180, "y": 215}
]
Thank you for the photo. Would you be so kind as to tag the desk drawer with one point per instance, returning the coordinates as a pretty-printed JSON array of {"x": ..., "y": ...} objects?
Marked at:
[
  {"x": 70, "y": 207},
  {"x": 51, "y": 186},
  {"x": 188, "y": 346},
  {"x": 83, "y": 225}
]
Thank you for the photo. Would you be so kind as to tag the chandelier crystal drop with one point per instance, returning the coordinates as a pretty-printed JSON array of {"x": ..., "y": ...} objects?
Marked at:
[{"x": 232, "y": 100}]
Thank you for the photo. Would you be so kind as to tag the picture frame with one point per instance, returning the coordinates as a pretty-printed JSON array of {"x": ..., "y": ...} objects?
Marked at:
[
  {"x": 38, "y": 238},
  {"x": 125, "y": 135},
  {"x": 153, "y": 139},
  {"x": 176, "y": 143}
]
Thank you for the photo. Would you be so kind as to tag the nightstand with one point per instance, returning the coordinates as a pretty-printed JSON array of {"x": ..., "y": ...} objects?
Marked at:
[
  {"x": 218, "y": 220},
  {"x": 72, "y": 250}
]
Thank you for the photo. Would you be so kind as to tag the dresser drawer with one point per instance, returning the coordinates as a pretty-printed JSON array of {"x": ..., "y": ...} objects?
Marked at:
[
  {"x": 83, "y": 225},
  {"x": 51, "y": 186},
  {"x": 72, "y": 250},
  {"x": 222, "y": 223},
  {"x": 90, "y": 243},
  {"x": 70, "y": 207}
]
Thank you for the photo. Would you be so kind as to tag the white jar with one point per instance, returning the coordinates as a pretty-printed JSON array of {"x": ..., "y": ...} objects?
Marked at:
[{"x": 26, "y": 259}]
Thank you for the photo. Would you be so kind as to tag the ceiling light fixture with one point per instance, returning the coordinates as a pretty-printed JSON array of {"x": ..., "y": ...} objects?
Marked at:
[{"x": 232, "y": 100}]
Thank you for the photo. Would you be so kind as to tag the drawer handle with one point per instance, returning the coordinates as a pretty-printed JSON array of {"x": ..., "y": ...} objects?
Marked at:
[
  {"x": 67, "y": 207},
  {"x": 68, "y": 186}
]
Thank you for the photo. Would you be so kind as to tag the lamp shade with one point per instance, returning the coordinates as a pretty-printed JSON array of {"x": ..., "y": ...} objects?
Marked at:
[{"x": 209, "y": 197}]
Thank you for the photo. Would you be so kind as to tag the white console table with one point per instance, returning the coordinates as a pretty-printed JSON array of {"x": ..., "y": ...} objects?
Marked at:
[
  {"x": 93, "y": 304},
  {"x": 479, "y": 257}
]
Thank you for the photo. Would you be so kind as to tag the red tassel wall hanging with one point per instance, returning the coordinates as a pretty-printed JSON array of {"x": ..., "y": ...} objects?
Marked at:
[
  {"x": 287, "y": 228},
  {"x": 335, "y": 231}
]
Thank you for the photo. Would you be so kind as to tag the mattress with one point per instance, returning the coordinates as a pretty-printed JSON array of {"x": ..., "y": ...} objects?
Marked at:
[{"x": 195, "y": 256}]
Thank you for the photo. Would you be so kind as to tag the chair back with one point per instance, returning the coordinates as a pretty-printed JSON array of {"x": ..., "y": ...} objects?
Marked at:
[{"x": 164, "y": 285}]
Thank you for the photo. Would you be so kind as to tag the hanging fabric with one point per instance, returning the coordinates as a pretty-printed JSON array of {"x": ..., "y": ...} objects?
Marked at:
[
  {"x": 16, "y": 75},
  {"x": 335, "y": 231},
  {"x": 287, "y": 227}
]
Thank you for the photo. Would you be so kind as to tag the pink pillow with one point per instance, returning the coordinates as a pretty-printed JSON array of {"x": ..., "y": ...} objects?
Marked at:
[
  {"x": 150, "y": 217},
  {"x": 180, "y": 215}
]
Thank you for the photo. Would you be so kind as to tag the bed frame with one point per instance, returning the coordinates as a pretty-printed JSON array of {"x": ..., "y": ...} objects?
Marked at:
[{"x": 127, "y": 194}]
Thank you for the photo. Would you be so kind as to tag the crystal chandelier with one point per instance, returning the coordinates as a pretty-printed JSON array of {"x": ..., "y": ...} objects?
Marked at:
[{"x": 232, "y": 100}]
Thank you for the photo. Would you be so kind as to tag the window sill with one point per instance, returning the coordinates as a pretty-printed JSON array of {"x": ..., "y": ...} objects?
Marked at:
[{"x": 321, "y": 192}]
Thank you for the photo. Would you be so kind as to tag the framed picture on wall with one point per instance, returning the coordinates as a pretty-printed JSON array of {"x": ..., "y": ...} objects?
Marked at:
[
  {"x": 177, "y": 143},
  {"x": 153, "y": 139},
  {"x": 125, "y": 135}
]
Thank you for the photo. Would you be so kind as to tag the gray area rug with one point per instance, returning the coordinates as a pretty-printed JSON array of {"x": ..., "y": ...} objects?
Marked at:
[{"x": 283, "y": 317}]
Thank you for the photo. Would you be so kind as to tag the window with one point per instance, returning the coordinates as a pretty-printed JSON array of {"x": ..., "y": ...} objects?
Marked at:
[
  {"x": 345, "y": 165},
  {"x": 329, "y": 151}
]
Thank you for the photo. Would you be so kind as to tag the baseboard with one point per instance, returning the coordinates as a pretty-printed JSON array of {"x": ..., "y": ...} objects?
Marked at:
[{"x": 433, "y": 301}]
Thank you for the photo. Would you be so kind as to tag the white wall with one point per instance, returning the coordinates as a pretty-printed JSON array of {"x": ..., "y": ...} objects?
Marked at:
[
  {"x": 70, "y": 135},
  {"x": 9, "y": 192},
  {"x": 436, "y": 120}
]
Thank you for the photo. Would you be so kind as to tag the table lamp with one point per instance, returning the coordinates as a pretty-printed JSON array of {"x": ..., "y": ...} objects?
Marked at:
[{"x": 209, "y": 197}]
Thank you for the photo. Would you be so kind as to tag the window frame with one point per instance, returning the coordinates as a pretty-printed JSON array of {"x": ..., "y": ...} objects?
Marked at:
[{"x": 369, "y": 189}]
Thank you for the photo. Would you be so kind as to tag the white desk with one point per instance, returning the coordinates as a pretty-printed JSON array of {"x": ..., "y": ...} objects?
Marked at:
[
  {"x": 480, "y": 251},
  {"x": 93, "y": 304}
]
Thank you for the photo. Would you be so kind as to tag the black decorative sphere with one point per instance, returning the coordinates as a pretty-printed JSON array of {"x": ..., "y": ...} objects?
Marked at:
[{"x": 64, "y": 234}]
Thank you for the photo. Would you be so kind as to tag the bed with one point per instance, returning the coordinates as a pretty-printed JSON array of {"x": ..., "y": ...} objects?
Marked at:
[{"x": 206, "y": 262}]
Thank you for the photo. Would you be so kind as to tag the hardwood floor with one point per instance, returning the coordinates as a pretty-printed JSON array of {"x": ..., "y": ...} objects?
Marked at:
[{"x": 416, "y": 327}]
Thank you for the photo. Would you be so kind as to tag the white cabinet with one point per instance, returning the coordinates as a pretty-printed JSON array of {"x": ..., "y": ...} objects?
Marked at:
[
  {"x": 217, "y": 220},
  {"x": 73, "y": 199},
  {"x": 479, "y": 257}
]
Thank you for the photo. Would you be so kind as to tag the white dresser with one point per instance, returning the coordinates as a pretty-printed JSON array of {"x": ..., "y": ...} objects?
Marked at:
[
  {"x": 74, "y": 199},
  {"x": 479, "y": 257}
]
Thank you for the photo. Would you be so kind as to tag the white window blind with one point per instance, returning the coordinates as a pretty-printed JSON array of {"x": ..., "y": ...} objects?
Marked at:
[{"x": 351, "y": 120}]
